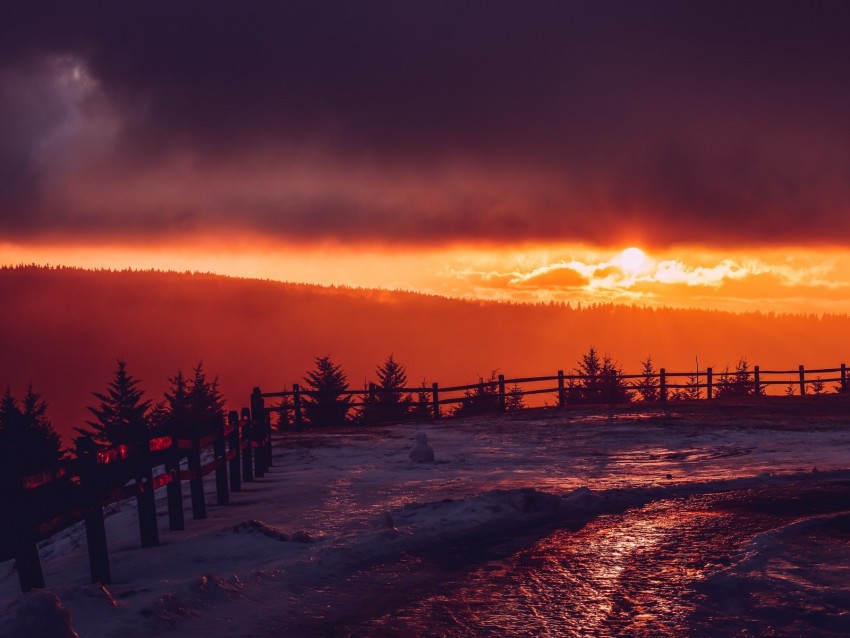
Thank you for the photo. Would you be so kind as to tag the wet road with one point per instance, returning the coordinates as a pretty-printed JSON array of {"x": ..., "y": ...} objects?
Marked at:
[{"x": 678, "y": 567}]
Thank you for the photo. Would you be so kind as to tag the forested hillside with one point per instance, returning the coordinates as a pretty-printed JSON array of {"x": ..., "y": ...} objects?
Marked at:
[{"x": 63, "y": 330}]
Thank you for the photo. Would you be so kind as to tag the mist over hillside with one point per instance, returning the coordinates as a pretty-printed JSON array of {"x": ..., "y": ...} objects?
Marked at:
[{"x": 63, "y": 329}]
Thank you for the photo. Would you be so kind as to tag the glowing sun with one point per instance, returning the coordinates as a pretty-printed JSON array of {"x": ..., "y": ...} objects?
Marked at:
[{"x": 632, "y": 260}]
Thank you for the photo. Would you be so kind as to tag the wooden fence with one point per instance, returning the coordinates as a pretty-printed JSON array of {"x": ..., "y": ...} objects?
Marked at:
[
  {"x": 43, "y": 504},
  {"x": 565, "y": 389}
]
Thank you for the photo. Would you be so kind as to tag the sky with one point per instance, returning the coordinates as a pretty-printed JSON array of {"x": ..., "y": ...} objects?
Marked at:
[{"x": 501, "y": 150}]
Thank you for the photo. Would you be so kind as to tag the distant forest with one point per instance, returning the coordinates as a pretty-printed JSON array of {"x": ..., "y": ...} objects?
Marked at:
[{"x": 62, "y": 329}]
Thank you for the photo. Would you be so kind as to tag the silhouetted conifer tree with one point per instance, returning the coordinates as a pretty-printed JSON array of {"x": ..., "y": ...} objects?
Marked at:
[
  {"x": 28, "y": 441},
  {"x": 204, "y": 402},
  {"x": 482, "y": 399},
  {"x": 690, "y": 392},
  {"x": 514, "y": 399},
  {"x": 647, "y": 385},
  {"x": 285, "y": 415},
  {"x": 121, "y": 417},
  {"x": 191, "y": 406},
  {"x": 388, "y": 403},
  {"x": 324, "y": 401},
  {"x": 573, "y": 390},
  {"x": 601, "y": 380},
  {"x": 422, "y": 408},
  {"x": 738, "y": 382},
  {"x": 177, "y": 398},
  {"x": 818, "y": 386},
  {"x": 173, "y": 415},
  {"x": 789, "y": 389},
  {"x": 590, "y": 388}
]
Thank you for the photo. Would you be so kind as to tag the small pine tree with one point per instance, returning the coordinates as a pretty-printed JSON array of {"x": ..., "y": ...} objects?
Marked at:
[
  {"x": 514, "y": 400},
  {"x": 618, "y": 390},
  {"x": 28, "y": 441},
  {"x": 204, "y": 402},
  {"x": 818, "y": 386},
  {"x": 648, "y": 385},
  {"x": 573, "y": 390},
  {"x": 325, "y": 402},
  {"x": 389, "y": 402},
  {"x": 121, "y": 417},
  {"x": 285, "y": 414},
  {"x": 600, "y": 380},
  {"x": 789, "y": 389},
  {"x": 691, "y": 391},
  {"x": 590, "y": 371},
  {"x": 482, "y": 398},
  {"x": 175, "y": 411},
  {"x": 422, "y": 409},
  {"x": 737, "y": 383}
]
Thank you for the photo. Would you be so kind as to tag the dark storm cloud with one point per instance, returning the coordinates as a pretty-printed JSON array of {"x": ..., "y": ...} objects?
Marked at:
[{"x": 678, "y": 121}]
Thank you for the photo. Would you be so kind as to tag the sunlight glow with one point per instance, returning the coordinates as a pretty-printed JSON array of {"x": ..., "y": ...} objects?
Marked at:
[
  {"x": 633, "y": 260},
  {"x": 784, "y": 279}
]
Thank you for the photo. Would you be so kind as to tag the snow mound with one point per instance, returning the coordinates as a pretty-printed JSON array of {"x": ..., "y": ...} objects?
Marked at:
[
  {"x": 496, "y": 506},
  {"x": 259, "y": 527},
  {"x": 37, "y": 613},
  {"x": 203, "y": 594}
]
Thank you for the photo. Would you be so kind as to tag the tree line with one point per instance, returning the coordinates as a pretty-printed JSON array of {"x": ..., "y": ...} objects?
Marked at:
[{"x": 596, "y": 379}]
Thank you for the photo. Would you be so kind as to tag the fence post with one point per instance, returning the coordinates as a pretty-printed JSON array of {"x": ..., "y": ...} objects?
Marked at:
[
  {"x": 502, "y": 402},
  {"x": 258, "y": 427},
  {"x": 222, "y": 496},
  {"x": 757, "y": 378},
  {"x": 843, "y": 378},
  {"x": 613, "y": 386},
  {"x": 174, "y": 490},
  {"x": 562, "y": 399},
  {"x": 95, "y": 528},
  {"x": 145, "y": 497},
  {"x": 802, "y": 380},
  {"x": 709, "y": 384},
  {"x": 18, "y": 518},
  {"x": 267, "y": 448},
  {"x": 435, "y": 394},
  {"x": 233, "y": 449},
  {"x": 247, "y": 450},
  {"x": 196, "y": 480},
  {"x": 296, "y": 407},
  {"x": 662, "y": 385}
]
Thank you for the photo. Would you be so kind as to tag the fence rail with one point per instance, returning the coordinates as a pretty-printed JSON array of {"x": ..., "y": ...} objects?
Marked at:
[
  {"x": 47, "y": 502},
  {"x": 613, "y": 388}
]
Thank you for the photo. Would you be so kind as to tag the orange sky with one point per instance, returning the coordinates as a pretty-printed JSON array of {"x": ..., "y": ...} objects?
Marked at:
[
  {"x": 489, "y": 150},
  {"x": 782, "y": 279}
]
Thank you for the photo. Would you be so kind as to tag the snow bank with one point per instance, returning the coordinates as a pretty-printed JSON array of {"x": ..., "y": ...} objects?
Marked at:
[{"x": 37, "y": 613}]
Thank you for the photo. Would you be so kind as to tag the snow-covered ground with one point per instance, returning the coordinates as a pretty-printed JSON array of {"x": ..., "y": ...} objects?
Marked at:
[{"x": 295, "y": 545}]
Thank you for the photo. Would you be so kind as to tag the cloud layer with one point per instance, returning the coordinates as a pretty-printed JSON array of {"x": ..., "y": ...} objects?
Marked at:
[{"x": 602, "y": 122}]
